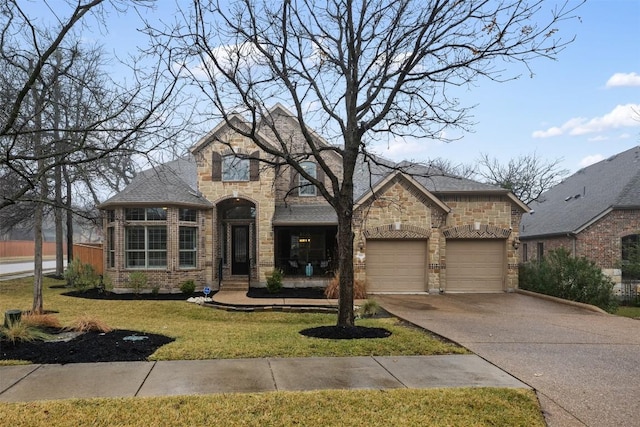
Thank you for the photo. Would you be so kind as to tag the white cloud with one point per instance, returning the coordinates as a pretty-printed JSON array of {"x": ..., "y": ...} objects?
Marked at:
[
  {"x": 399, "y": 149},
  {"x": 589, "y": 160},
  {"x": 599, "y": 138},
  {"x": 621, "y": 116},
  {"x": 623, "y": 80}
]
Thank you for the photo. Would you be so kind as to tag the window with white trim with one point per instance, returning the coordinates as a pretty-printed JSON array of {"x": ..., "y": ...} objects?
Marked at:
[
  {"x": 146, "y": 247},
  {"x": 306, "y": 188}
]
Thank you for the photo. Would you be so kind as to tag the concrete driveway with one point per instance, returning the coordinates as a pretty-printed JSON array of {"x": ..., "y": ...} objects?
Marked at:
[{"x": 584, "y": 365}]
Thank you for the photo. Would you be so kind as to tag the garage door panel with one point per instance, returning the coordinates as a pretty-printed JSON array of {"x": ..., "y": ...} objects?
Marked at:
[
  {"x": 396, "y": 265},
  {"x": 475, "y": 266}
]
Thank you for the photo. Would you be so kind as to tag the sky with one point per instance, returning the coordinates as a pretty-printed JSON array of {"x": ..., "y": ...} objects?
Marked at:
[{"x": 579, "y": 109}]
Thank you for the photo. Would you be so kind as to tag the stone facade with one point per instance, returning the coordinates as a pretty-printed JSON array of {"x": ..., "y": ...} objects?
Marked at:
[{"x": 400, "y": 210}]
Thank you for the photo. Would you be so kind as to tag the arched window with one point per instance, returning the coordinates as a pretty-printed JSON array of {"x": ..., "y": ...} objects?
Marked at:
[{"x": 306, "y": 188}]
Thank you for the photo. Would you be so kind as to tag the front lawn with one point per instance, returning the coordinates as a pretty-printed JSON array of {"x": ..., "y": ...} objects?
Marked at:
[
  {"x": 206, "y": 333},
  {"x": 628, "y": 311},
  {"x": 401, "y": 407}
]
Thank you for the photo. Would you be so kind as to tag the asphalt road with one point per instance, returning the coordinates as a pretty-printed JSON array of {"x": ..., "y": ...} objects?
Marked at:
[
  {"x": 584, "y": 365},
  {"x": 11, "y": 270}
]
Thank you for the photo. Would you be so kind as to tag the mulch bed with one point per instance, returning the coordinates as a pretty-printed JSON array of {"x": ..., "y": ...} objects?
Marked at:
[
  {"x": 88, "y": 347},
  {"x": 300, "y": 293},
  {"x": 345, "y": 332}
]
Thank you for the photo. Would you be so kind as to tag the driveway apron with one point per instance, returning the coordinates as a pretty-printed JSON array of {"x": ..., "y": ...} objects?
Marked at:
[{"x": 584, "y": 365}]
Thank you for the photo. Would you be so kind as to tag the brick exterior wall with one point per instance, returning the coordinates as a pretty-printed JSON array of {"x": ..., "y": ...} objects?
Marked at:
[
  {"x": 167, "y": 279},
  {"x": 599, "y": 242}
]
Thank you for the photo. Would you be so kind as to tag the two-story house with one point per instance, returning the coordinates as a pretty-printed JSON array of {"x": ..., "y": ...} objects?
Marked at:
[{"x": 224, "y": 215}]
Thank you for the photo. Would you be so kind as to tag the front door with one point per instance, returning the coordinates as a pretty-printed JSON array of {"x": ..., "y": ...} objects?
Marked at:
[{"x": 240, "y": 249}]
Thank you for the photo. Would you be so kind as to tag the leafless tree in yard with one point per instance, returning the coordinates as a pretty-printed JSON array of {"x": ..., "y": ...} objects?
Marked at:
[
  {"x": 63, "y": 118},
  {"x": 527, "y": 176},
  {"x": 356, "y": 70}
]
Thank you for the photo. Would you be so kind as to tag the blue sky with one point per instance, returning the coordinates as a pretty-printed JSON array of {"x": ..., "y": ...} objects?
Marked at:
[{"x": 579, "y": 108}]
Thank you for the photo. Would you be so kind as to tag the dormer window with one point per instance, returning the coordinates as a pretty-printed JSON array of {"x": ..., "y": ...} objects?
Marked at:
[{"x": 306, "y": 188}]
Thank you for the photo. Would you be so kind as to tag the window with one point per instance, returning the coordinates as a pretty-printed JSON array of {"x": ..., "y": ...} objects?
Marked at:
[
  {"x": 188, "y": 246},
  {"x": 146, "y": 247},
  {"x": 111, "y": 250},
  {"x": 525, "y": 252},
  {"x": 111, "y": 215},
  {"x": 306, "y": 188},
  {"x": 540, "y": 251},
  {"x": 187, "y": 215},
  {"x": 235, "y": 169},
  {"x": 631, "y": 257},
  {"x": 145, "y": 214}
]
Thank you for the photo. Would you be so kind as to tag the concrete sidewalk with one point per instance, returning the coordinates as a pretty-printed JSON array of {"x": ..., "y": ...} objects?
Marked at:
[{"x": 128, "y": 379}]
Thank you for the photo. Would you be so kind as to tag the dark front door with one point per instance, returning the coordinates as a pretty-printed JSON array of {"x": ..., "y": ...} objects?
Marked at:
[{"x": 240, "y": 249}]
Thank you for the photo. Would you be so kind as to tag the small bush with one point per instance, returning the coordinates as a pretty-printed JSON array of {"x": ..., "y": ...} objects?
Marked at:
[
  {"x": 274, "y": 281},
  {"x": 81, "y": 276},
  {"x": 41, "y": 321},
  {"x": 188, "y": 287},
  {"x": 22, "y": 332},
  {"x": 369, "y": 308},
  {"x": 88, "y": 323},
  {"x": 333, "y": 288},
  {"x": 561, "y": 275},
  {"x": 138, "y": 281}
]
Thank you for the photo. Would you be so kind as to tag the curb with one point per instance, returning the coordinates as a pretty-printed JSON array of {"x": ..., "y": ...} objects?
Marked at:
[{"x": 563, "y": 301}]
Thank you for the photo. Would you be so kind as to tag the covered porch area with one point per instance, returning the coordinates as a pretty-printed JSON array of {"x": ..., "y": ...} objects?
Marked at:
[{"x": 305, "y": 241}]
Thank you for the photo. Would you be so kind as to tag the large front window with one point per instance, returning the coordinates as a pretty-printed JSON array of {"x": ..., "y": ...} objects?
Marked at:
[
  {"x": 235, "y": 168},
  {"x": 146, "y": 247}
]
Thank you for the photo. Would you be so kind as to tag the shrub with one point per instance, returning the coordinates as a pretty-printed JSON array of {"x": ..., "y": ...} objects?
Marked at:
[
  {"x": 22, "y": 332},
  {"x": 274, "y": 281},
  {"x": 188, "y": 287},
  {"x": 577, "y": 279},
  {"x": 81, "y": 276},
  {"x": 333, "y": 288},
  {"x": 138, "y": 281},
  {"x": 369, "y": 308},
  {"x": 88, "y": 323},
  {"x": 41, "y": 321}
]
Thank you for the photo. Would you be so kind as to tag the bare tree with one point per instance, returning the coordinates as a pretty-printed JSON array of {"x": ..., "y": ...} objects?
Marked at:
[
  {"x": 527, "y": 176},
  {"x": 59, "y": 117},
  {"x": 357, "y": 70}
]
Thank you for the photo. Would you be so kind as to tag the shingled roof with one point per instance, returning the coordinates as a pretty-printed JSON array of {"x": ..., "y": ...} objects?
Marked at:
[
  {"x": 586, "y": 196},
  {"x": 170, "y": 183}
]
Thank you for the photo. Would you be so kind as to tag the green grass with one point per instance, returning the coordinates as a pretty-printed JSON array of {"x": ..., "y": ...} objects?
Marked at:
[
  {"x": 205, "y": 333},
  {"x": 628, "y": 311},
  {"x": 402, "y": 407}
]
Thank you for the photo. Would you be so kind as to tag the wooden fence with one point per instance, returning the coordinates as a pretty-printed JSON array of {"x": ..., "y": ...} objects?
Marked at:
[
  {"x": 25, "y": 249},
  {"x": 89, "y": 253}
]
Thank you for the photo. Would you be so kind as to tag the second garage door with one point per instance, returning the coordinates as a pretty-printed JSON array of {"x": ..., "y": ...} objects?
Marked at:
[
  {"x": 475, "y": 265},
  {"x": 396, "y": 265}
]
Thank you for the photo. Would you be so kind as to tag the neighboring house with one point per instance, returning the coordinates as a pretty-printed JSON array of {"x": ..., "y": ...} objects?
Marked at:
[
  {"x": 221, "y": 216},
  {"x": 594, "y": 213}
]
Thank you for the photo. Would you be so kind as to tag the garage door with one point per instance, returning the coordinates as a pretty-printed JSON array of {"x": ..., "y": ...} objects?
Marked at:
[
  {"x": 475, "y": 265},
  {"x": 396, "y": 265}
]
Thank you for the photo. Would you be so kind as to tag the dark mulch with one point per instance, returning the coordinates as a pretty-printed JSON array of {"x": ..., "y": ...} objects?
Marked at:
[
  {"x": 301, "y": 293},
  {"x": 345, "y": 332},
  {"x": 95, "y": 293},
  {"x": 87, "y": 348}
]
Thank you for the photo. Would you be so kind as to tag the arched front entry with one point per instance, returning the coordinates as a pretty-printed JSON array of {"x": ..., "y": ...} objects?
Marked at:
[{"x": 237, "y": 231}]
